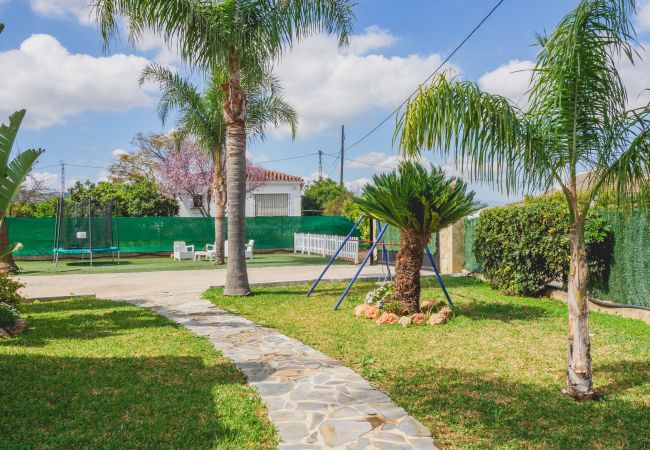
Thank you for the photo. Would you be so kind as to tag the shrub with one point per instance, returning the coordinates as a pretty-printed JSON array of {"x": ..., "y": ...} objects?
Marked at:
[
  {"x": 522, "y": 248},
  {"x": 8, "y": 315},
  {"x": 378, "y": 297},
  {"x": 9, "y": 290}
]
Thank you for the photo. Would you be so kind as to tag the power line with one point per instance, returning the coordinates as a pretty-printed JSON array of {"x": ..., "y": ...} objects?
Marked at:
[{"x": 458, "y": 47}]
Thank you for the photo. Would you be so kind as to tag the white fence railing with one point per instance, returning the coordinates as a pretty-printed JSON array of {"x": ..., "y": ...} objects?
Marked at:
[{"x": 326, "y": 245}]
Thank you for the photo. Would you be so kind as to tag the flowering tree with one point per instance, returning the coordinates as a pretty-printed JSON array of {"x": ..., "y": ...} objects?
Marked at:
[{"x": 188, "y": 171}]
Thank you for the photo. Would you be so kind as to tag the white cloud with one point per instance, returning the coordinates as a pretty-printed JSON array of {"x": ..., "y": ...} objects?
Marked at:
[
  {"x": 48, "y": 179},
  {"x": 357, "y": 185},
  {"x": 119, "y": 152},
  {"x": 643, "y": 19},
  {"x": 510, "y": 80},
  {"x": 636, "y": 78},
  {"x": 78, "y": 9},
  {"x": 373, "y": 38},
  {"x": 375, "y": 161},
  {"x": 54, "y": 84},
  {"x": 328, "y": 87}
]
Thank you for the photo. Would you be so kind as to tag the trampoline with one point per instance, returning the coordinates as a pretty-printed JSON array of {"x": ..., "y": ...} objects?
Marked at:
[{"x": 86, "y": 228}]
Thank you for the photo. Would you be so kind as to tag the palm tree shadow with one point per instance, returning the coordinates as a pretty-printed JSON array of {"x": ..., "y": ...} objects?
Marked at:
[{"x": 502, "y": 413}]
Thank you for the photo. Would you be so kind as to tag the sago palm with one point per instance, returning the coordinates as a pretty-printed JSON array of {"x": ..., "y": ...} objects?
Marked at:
[
  {"x": 200, "y": 116},
  {"x": 13, "y": 173},
  {"x": 576, "y": 120},
  {"x": 418, "y": 202},
  {"x": 243, "y": 37}
]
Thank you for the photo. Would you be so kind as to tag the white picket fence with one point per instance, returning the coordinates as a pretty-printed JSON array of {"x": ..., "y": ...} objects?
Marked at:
[{"x": 326, "y": 245}]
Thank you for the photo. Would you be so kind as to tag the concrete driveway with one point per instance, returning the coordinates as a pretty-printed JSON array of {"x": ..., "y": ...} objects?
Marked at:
[{"x": 114, "y": 285}]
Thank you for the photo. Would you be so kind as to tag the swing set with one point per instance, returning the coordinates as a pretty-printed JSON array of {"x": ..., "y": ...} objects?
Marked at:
[{"x": 379, "y": 241}]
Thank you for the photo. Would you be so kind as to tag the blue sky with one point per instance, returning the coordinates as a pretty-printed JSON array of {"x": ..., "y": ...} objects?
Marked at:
[{"x": 84, "y": 104}]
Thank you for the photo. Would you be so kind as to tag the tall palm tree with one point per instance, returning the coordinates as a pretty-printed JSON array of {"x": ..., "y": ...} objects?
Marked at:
[
  {"x": 201, "y": 117},
  {"x": 418, "y": 202},
  {"x": 577, "y": 120},
  {"x": 244, "y": 37},
  {"x": 13, "y": 173}
]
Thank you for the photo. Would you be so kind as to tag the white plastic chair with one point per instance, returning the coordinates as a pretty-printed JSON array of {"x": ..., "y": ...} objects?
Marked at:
[
  {"x": 182, "y": 251},
  {"x": 248, "y": 249}
]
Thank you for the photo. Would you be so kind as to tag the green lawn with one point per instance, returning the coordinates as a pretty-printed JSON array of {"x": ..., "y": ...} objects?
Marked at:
[
  {"x": 489, "y": 378},
  {"x": 151, "y": 264},
  {"x": 99, "y": 374}
]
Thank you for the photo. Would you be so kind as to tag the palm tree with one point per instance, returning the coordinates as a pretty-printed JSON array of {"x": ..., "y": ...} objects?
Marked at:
[
  {"x": 12, "y": 175},
  {"x": 243, "y": 37},
  {"x": 577, "y": 120},
  {"x": 201, "y": 116},
  {"x": 418, "y": 203}
]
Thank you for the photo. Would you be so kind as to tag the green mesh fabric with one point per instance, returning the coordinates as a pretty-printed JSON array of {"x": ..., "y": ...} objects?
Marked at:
[
  {"x": 629, "y": 279},
  {"x": 471, "y": 263},
  {"x": 392, "y": 236},
  {"x": 157, "y": 234}
]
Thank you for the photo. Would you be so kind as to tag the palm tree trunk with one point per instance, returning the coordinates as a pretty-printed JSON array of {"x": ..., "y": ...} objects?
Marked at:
[
  {"x": 219, "y": 215},
  {"x": 407, "y": 269},
  {"x": 235, "y": 115},
  {"x": 579, "y": 383},
  {"x": 7, "y": 264}
]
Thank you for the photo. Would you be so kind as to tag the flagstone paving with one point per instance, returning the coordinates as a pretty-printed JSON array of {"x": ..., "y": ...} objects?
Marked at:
[{"x": 313, "y": 400}]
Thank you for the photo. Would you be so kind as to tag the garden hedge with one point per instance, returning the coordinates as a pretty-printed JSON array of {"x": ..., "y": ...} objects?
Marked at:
[{"x": 521, "y": 248}]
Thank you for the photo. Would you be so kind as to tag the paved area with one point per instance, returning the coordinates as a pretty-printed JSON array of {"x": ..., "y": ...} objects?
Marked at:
[
  {"x": 113, "y": 285},
  {"x": 313, "y": 401}
]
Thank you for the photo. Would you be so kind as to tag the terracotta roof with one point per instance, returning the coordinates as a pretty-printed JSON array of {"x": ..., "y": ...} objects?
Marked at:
[{"x": 275, "y": 176}]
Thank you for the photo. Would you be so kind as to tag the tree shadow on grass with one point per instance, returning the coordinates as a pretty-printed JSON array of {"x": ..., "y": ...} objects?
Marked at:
[
  {"x": 464, "y": 408},
  {"x": 504, "y": 312},
  {"x": 87, "y": 319},
  {"x": 73, "y": 394},
  {"x": 139, "y": 402}
]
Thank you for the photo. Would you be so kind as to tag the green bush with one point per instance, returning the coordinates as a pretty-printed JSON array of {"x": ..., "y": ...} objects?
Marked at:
[
  {"x": 522, "y": 248},
  {"x": 9, "y": 290},
  {"x": 8, "y": 315}
]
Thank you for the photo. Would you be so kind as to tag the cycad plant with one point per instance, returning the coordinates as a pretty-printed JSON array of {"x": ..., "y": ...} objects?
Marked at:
[
  {"x": 13, "y": 173},
  {"x": 418, "y": 202},
  {"x": 200, "y": 117},
  {"x": 244, "y": 37},
  {"x": 576, "y": 121}
]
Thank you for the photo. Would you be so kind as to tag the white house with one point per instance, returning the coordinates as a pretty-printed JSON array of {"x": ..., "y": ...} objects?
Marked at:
[{"x": 279, "y": 195}]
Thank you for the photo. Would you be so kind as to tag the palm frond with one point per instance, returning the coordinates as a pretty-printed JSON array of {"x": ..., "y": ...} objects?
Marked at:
[
  {"x": 269, "y": 110},
  {"x": 414, "y": 198},
  {"x": 489, "y": 138}
]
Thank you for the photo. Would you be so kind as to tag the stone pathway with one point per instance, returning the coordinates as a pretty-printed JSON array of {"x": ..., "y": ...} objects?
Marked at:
[{"x": 313, "y": 401}]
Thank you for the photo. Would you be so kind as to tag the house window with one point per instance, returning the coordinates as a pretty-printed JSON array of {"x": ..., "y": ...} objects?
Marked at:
[
  {"x": 197, "y": 201},
  {"x": 271, "y": 205}
]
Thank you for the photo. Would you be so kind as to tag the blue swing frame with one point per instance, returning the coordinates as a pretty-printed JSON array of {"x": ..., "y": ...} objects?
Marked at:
[{"x": 377, "y": 241}]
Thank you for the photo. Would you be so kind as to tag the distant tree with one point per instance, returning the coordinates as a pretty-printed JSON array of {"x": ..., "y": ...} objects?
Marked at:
[
  {"x": 318, "y": 194},
  {"x": 140, "y": 198},
  {"x": 33, "y": 192},
  {"x": 186, "y": 172}
]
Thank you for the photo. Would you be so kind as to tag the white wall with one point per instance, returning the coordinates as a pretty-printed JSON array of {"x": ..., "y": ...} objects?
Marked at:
[{"x": 293, "y": 189}]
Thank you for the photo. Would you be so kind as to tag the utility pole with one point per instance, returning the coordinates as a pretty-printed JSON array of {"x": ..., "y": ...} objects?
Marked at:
[
  {"x": 62, "y": 179},
  {"x": 342, "y": 152},
  {"x": 320, "y": 165}
]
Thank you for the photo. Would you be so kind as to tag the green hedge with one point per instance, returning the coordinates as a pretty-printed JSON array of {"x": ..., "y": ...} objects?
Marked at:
[{"x": 521, "y": 248}]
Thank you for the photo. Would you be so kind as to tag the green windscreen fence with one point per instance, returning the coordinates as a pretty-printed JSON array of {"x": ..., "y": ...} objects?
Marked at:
[
  {"x": 471, "y": 263},
  {"x": 157, "y": 234},
  {"x": 629, "y": 278}
]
